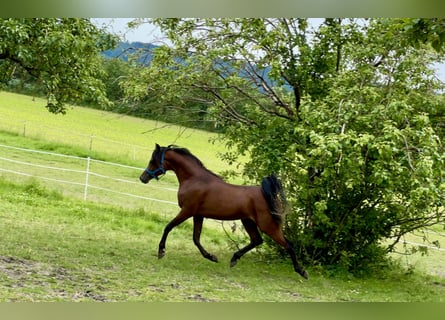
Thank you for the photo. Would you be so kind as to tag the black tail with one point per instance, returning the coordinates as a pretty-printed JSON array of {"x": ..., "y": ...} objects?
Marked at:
[{"x": 274, "y": 194}]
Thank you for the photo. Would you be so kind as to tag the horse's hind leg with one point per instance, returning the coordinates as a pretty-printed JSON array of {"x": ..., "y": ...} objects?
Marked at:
[
  {"x": 255, "y": 240},
  {"x": 290, "y": 249},
  {"x": 274, "y": 231},
  {"x": 197, "y": 227}
]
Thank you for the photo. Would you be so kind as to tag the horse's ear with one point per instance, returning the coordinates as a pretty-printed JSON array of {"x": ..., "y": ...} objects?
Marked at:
[{"x": 158, "y": 147}]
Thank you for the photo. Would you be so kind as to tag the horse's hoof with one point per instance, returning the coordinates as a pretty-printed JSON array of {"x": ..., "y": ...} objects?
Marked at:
[
  {"x": 233, "y": 262},
  {"x": 161, "y": 254},
  {"x": 304, "y": 274},
  {"x": 210, "y": 257}
]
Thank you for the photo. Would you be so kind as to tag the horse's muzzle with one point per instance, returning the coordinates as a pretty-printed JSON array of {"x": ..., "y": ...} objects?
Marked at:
[{"x": 145, "y": 178}]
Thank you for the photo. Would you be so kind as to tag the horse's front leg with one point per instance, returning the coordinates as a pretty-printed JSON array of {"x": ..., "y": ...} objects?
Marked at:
[
  {"x": 197, "y": 227},
  {"x": 180, "y": 218}
]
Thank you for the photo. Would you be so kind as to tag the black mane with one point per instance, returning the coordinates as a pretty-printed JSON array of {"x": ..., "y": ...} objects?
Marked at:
[{"x": 186, "y": 152}]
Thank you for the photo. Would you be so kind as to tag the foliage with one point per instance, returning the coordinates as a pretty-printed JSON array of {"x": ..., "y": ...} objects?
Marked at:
[
  {"x": 420, "y": 31},
  {"x": 115, "y": 70},
  {"x": 166, "y": 99},
  {"x": 342, "y": 111},
  {"x": 61, "y": 54}
]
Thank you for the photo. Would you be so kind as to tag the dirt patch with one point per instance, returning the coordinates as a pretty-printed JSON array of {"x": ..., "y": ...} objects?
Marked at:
[
  {"x": 90, "y": 295},
  {"x": 20, "y": 271},
  {"x": 50, "y": 282},
  {"x": 200, "y": 298}
]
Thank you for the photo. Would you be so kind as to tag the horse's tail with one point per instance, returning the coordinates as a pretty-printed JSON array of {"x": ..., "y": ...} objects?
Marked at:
[{"x": 274, "y": 194}]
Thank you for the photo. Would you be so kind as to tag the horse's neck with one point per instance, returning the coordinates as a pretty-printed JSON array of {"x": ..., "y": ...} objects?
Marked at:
[{"x": 184, "y": 167}]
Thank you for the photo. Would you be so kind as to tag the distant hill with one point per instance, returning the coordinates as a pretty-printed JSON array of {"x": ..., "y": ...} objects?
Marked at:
[{"x": 125, "y": 49}]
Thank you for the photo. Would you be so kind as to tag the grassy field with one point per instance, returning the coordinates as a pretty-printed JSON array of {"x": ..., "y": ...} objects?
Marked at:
[
  {"x": 122, "y": 138},
  {"x": 56, "y": 247}
]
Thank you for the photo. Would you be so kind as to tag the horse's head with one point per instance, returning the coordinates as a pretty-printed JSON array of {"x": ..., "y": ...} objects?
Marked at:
[{"x": 155, "y": 167}]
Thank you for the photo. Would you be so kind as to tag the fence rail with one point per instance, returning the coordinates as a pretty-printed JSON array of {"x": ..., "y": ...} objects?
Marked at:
[{"x": 46, "y": 168}]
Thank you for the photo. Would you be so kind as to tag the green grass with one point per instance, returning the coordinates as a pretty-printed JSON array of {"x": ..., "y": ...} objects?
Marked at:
[{"x": 54, "y": 248}]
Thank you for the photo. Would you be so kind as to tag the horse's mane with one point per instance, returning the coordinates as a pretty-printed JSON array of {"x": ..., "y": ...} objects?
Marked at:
[{"x": 186, "y": 152}]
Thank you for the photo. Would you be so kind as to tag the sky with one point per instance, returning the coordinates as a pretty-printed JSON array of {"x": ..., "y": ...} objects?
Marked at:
[
  {"x": 149, "y": 33},
  {"x": 146, "y": 32}
]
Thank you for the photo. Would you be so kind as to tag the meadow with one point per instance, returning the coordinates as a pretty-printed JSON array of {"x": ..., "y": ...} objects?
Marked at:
[
  {"x": 114, "y": 136},
  {"x": 54, "y": 246}
]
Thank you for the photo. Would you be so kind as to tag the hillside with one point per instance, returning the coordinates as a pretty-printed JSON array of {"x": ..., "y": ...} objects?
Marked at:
[{"x": 125, "y": 49}]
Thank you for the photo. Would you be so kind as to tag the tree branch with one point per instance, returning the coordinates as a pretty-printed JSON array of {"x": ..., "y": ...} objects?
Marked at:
[
  {"x": 8, "y": 56},
  {"x": 227, "y": 107},
  {"x": 408, "y": 153}
]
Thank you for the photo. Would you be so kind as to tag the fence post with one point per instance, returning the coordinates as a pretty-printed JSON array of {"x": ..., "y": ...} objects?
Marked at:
[
  {"x": 91, "y": 142},
  {"x": 87, "y": 174}
]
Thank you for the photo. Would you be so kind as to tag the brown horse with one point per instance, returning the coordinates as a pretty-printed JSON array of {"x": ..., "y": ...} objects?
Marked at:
[{"x": 202, "y": 194}]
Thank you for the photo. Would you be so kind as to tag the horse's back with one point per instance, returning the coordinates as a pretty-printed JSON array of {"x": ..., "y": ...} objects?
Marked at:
[{"x": 224, "y": 201}]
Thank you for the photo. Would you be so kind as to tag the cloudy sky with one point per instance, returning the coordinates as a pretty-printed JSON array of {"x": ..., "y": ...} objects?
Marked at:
[{"x": 144, "y": 33}]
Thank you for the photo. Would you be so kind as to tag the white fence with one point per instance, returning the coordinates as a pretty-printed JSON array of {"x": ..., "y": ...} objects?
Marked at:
[{"x": 87, "y": 178}]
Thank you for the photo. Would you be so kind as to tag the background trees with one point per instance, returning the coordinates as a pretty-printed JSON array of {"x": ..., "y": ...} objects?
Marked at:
[
  {"x": 62, "y": 55},
  {"x": 347, "y": 112}
]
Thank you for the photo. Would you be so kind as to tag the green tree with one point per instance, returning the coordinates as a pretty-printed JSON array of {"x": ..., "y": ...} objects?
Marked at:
[
  {"x": 341, "y": 111},
  {"x": 115, "y": 71},
  {"x": 61, "y": 54}
]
